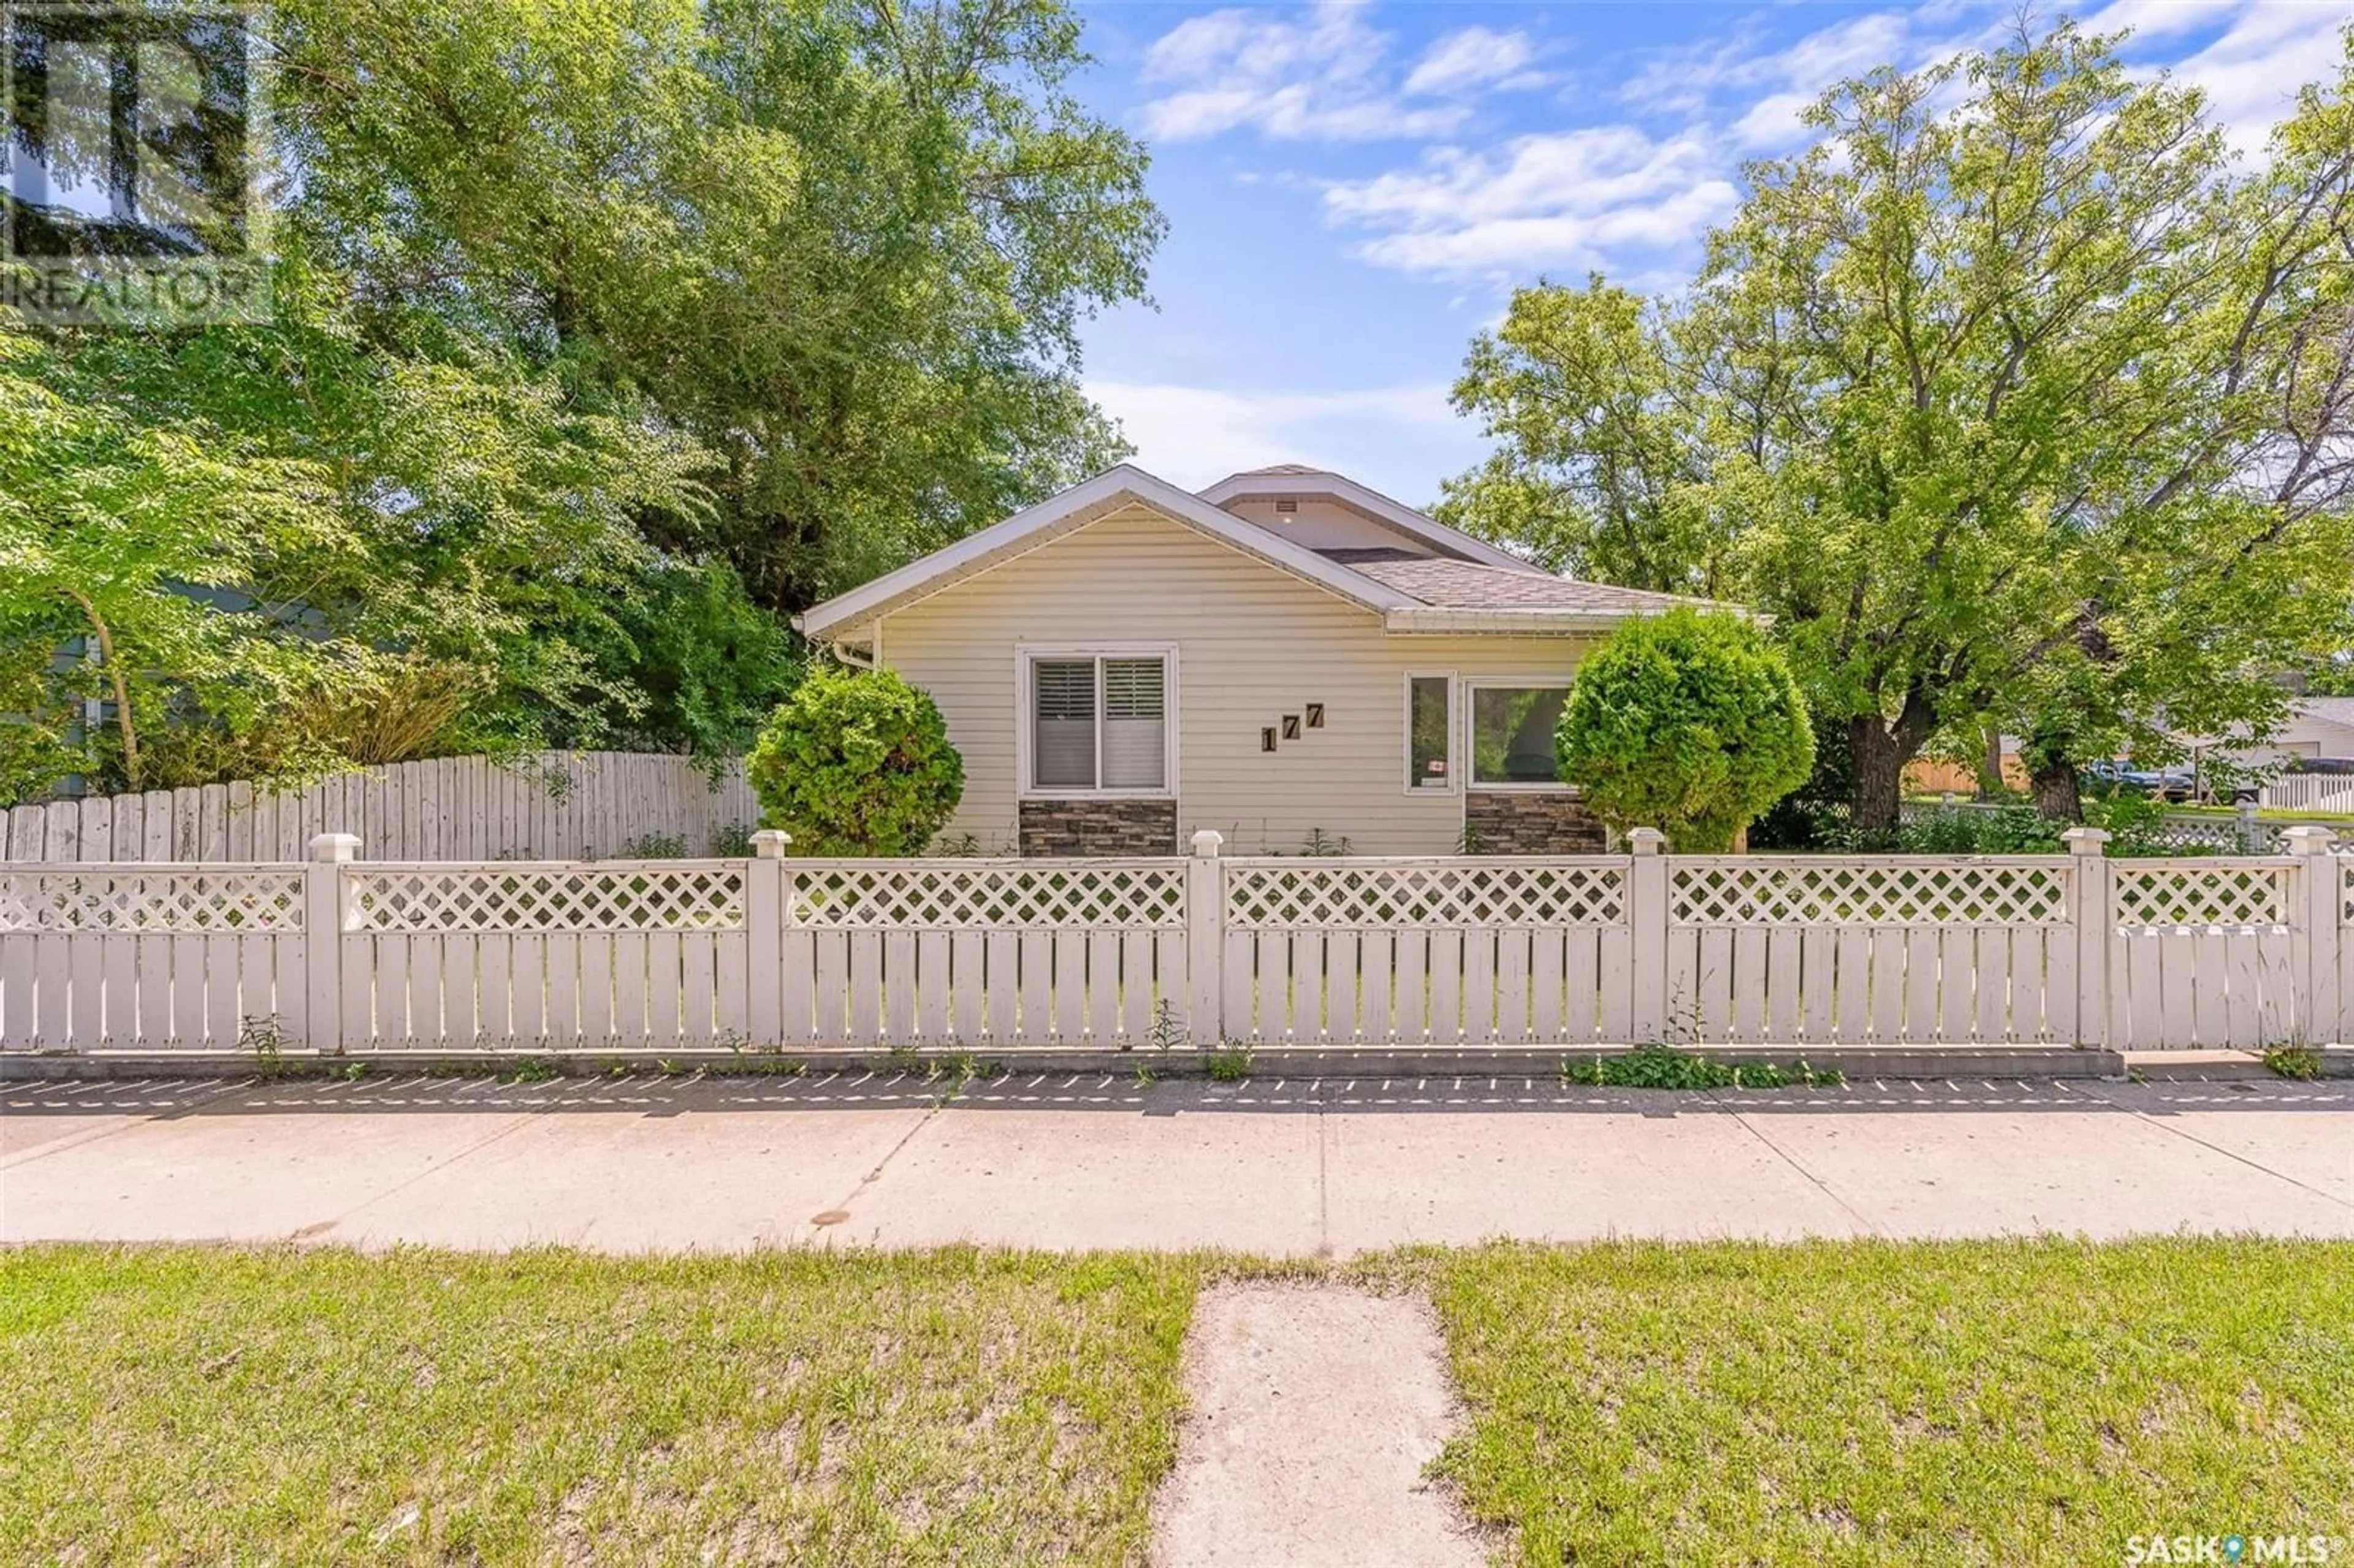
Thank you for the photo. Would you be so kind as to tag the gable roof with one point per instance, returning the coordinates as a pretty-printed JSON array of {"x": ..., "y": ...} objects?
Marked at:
[
  {"x": 1284, "y": 479},
  {"x": 1470, "y": 586},
  {"x": 1074, "y": 508},
  {"x": 2339, "y": 711}
]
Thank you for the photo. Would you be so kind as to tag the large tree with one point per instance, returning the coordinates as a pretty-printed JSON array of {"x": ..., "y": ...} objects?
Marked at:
[
  {"x": 276, "y": 550},
  {"x": 846, "y": 246},
  {"x": 2012, "y": 396}
]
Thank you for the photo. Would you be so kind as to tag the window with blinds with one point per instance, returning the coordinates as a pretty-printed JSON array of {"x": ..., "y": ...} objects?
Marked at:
[
  {"x": 1062, "y": 746},
  {"x": 1100, "y": 723},
  {"x": 1135, "y": 731}
]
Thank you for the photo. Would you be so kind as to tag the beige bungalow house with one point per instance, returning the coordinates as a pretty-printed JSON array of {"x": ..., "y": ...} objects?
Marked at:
[{"x": 1287, "y": 657}]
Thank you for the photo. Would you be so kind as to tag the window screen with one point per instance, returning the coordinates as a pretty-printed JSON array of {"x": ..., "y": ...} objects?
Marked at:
[
  {"x": 1136, "y": 732},
  {"x": 1427, "y": 745},
  {"x": 1512, "y": 734},
  {"x": 1108, "y": 713},
  {"x": 1063, "y": 751}
]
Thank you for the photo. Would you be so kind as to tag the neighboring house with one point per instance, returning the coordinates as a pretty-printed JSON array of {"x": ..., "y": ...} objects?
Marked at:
[
  {"x": 2318, "y": 729},
  {"x": 1285, "y": 656}
]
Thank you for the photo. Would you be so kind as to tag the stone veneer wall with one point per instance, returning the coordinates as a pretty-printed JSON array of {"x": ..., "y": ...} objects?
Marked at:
[
  {"x": 1531, "y": 822},
  {"x": 1099, "y": 827}
]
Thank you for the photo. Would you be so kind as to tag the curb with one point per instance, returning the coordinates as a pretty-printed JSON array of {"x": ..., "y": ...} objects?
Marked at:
[{"x": 1854, "y": 1062}]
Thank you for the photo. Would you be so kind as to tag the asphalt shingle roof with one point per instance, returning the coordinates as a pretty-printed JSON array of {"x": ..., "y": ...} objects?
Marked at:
[{"x": 1469, "y": 585}]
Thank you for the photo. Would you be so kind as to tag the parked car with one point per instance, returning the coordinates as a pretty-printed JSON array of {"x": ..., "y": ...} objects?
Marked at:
[{"x": 2172, "y": 784}]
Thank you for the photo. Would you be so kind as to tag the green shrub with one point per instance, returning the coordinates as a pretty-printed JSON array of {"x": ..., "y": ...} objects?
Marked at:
[
  {"x": 1979, "y": 830},
  {"x": 1685, "y": 722},
  {"x": 856, "y": 763}
]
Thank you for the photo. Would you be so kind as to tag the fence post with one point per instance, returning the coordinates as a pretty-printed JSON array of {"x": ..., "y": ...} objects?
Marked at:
[
  {"x": 2318, "y": 913},
  {"x": 1205, "y": 942},
  {"x": 1646, "y": 924},
  {"x": 326, "y": 916},
  {"x": 2250, "y": 841},
  {"x": 2093, "y": 911},
  {"x": 766, "y": 912}
]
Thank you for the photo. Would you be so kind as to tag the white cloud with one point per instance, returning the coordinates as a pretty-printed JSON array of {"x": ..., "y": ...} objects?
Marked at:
[
  {"x": 1195, "y": 435},
  {"x": 2252, "y": 72},
  {"x": 1567, "y": 200},
  {"x": 1686, "y": 80},
  {"x": 2153, "y": 19},
  {"x": 1320, "y": 77},
  {"x": 1773, "y": 123},
  {"x": 1475, "y": 57}
]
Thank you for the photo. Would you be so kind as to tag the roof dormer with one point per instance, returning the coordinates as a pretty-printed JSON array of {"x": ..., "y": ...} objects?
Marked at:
[{"x": 1323, "y": 511}]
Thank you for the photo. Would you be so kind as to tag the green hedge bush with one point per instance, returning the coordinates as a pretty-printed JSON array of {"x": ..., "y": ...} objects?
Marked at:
[
  {"x": 856, "y": 763},
  {"x": 1686, "y": 722}
]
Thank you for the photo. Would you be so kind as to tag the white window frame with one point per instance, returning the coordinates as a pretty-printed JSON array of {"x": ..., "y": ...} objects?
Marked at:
[
  {"x": 1511, "y": 682},
  {"x": 1027, "y": 657},
  {"x": 1454, "y": 785}
]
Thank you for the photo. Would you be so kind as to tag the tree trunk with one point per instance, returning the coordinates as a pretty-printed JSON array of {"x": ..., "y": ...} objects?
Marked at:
[
  {"x": 1879, "y": 774},
  {"x": 122, "y": 719},
  {"x": 2056, "y": 796},
  {"x": 1991, "y": 779}
]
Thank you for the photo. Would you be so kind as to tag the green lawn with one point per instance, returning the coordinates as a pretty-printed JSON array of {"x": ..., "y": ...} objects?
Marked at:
[
  {"x": 1628, "y": 1404},
  {"x": 1922, "y": 1404},
  {"x": 186, "y": 1405}
]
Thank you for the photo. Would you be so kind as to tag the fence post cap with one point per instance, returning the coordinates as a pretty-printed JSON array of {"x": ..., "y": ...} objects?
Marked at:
[
  {"x": 2309, "y": 839},
  {"x": 769, "y": 843},
  {"x": 2085, "y": 841},
  {"x": 1646, "y": 841},
  {"x": 1208, "y": 842},
  {"x": 335, "y": 847}
]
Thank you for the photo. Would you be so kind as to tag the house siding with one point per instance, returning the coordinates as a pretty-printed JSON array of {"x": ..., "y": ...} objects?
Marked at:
[{"x": 1254, "y": 643}]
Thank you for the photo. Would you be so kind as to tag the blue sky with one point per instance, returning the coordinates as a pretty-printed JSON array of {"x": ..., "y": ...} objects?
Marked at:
[{"x": 1354, "y": 189}]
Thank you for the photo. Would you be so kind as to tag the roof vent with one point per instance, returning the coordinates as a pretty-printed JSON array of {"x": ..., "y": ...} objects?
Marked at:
[{"x": 1288, "y": 504}]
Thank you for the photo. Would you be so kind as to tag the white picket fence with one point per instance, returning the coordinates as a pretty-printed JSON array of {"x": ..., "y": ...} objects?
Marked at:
[
  {"x": 547, "y": 805},
  {"x": 2319, "y": 792},
  {"x": 337, "y": 954}
]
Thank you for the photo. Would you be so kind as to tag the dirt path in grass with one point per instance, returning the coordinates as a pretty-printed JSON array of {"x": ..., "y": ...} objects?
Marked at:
[{"x": 1314, "y": 1410}]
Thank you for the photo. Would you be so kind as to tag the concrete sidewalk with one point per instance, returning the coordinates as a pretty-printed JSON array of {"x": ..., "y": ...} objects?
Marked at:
[{"x": 1323, "y": 1168}]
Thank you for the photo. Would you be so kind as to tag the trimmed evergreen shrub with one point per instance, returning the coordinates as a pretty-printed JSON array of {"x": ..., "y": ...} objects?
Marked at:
[
  {"x": 1686, "y": 722},
  {"x": 856, "y": 762}
]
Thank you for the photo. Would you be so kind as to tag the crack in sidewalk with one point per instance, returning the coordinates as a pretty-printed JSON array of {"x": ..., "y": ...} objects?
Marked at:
[
  {"x": 2093, "y": 1091},
  {"x": 1790, "y": 1159},
  {"x": 942, "y": 1102},
  {"x": 522, "y": 1119},
  {"x": 132, "y": 1121}
]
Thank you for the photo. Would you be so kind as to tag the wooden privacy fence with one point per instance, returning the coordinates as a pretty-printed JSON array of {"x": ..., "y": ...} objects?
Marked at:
[
  {"x": 338, "y": 954},
  {"x": 544, "y": 805}
]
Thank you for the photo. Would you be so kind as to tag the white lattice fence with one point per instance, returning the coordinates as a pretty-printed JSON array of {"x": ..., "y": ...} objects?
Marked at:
[
  {"x": 2201, "y": 954},
  {"x": 1478, "y": 952},
  {"x": 965, "y": 953},
  {"x": 1889, "y": 949},
  {"x": 1108, "y": 955},
  {"x": 571, "y": 956},
  {"x": 161, "y": 958}
]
